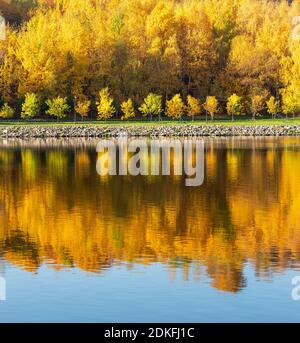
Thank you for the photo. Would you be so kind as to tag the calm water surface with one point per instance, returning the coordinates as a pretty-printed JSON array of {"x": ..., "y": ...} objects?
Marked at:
[{"x": 78, "y": 247}]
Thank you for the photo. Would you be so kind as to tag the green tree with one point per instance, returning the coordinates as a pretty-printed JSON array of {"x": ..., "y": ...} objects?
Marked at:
[
  {"x": 234, "y": 105},
  {"x": 30, "y": 106},
  {"x": 152, "y": 106},
  {"x": 105, "y": 105},
  {"x": 57, "y": 107}
]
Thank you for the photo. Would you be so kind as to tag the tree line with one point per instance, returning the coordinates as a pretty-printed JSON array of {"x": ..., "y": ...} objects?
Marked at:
[
  {"x": 151, "y": 107},
  {"x": 126, "y": 58}
]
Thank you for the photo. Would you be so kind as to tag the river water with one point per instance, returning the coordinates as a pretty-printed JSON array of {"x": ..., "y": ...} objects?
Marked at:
[{"x": 79, "y": 247}]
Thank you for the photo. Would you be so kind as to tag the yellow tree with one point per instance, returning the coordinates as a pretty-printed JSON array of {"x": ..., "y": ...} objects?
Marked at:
[
  {"x": 37, "y": 54},
  {"x": 127, "y": 109},
  {"x": 82, "y": 107},
  {"x": 105, "y": 105},
  {"x": 193, "y": 106},
  {"x": 197, "y": 48},
  {"x": 234, "y": 105},
  {"x": 273, "y": 106},
  {"x": 57, "y": 50},
  {"x": 58, "y": 107},
  {"x": 257, "y": 105},
  {"x": 10, "y": 68},
  {"x": 175, "y": 107},
  {"x": 163, "y": 55},
  {"x": 290, "y": 71},
  {"x": 290, "y": 101},
  {"x": 246, "y": 78},
  {"x": 211, "y": 106},
  {"x": 30, "y": 106},
  {"x": 6, "y": 111},
  {"x": 152, "y": 106}
]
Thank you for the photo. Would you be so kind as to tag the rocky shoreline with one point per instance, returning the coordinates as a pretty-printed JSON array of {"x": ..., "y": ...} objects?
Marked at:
[{"x": 39, "y": 131}]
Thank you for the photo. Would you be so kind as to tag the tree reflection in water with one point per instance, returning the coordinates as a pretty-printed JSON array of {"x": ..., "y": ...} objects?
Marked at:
[{"x": 56, "y": 210}]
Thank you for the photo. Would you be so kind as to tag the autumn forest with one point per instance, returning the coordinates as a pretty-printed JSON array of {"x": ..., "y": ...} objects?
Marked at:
[{"x": 129, "y": 58}]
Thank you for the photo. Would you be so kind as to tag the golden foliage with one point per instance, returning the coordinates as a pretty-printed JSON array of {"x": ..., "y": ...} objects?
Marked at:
[
  {"x": 105, "y": 105},
  {"x": 211, "y": 106},
  {"x": 193, "y": 106},
  {"x": 127, "y": 109},
  {"x": 83, "y": 107},
  {"x": 175, "y": 107},
  {"x": 137, "y": 47}
]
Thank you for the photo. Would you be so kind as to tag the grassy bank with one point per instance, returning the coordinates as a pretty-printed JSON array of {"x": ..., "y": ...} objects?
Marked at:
[{"x": 245, "y": 122}]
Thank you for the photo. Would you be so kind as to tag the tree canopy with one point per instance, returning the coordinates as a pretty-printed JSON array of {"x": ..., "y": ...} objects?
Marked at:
[{"x": 75, "y": 48}]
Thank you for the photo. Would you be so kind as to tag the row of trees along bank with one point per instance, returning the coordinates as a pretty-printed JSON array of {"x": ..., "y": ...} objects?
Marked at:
[{"x": 152, "y": 107}]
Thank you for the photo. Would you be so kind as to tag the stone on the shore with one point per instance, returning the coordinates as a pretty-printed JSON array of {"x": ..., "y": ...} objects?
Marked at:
[{"x": 39, "y": 131}]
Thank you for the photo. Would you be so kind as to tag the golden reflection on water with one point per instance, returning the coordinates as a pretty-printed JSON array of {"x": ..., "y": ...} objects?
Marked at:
[{"x": 56, "y": 210}]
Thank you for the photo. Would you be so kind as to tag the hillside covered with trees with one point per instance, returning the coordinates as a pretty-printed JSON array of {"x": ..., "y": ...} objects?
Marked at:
[{"x": 123, "y": 58}]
